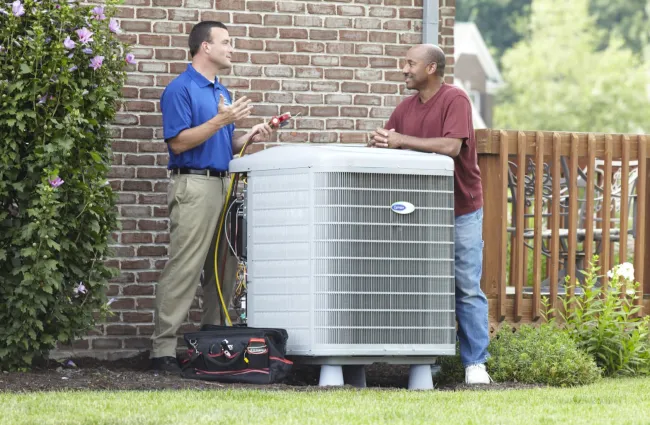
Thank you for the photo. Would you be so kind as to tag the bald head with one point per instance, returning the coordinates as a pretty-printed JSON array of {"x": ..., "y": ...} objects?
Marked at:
[{"x": 430, "y": 53}]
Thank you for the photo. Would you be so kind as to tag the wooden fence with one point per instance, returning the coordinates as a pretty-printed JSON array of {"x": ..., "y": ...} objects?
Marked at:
[{"x": 552, "y": 200}]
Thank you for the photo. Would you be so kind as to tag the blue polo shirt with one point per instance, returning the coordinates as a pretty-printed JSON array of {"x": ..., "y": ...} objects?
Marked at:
[{"x": 189, "y": 101}]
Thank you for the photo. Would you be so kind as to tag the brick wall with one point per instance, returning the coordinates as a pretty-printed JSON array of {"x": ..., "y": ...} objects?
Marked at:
[{"x": 336, "y": 62}]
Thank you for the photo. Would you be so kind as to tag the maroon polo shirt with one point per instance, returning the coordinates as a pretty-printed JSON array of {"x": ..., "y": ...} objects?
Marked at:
[{"x": 447, "y": 114}]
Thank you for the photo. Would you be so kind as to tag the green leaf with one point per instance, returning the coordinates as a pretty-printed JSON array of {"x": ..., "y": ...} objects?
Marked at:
[{"x": 25, "y": 69}]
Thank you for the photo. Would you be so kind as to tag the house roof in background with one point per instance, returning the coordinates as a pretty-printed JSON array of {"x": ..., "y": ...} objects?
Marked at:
[
  {"x": 469, "y": 41},
  {"x": 477, "y": 120}
]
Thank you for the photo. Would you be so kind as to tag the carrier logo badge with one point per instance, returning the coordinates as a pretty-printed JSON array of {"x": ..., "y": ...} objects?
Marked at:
[{"x": 402, "y": 207}]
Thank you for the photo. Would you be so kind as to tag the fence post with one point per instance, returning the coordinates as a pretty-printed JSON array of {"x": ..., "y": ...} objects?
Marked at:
[{"x": 494, "y": 182}]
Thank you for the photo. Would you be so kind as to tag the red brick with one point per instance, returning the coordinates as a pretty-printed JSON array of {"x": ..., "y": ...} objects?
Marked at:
[
  {"x": 230, "y": 5},
  {"x": 307, "y": 99},
  {"x": 170, "y": 3},
  {"x": 294, "y": 59},
  {"x": 247, "y": 18},
  {"x": 340, "y": 124},
  {"x": 354, "y": 35},
  {"x": 135, "y": 26},
  {"x": 351, "y": 10},
  {"x": 125, "y": 12},
  {"x": 382, "y": 37},
  {"x": 382, "y": 12},
  {"x": 325, "y": 9},
  {"x": 152, "y": 199},
  {"x": 354, "y": 111},
  {"x": 367, "y": 24},
  {"x": 132, "y": 317},
  {"x": 308, "y": 21},
  {"x": 265, "y": 59},
  {"x": 309, "y": 124},
  {"x": 354, "y": 61},
  {"x": 367, "y": 100},
  {"x": 339, "y": 74},
  {"x": 369, "y": 125},
  {"x": 338, "y": 99},
  {"x": 209, "y": 15},
  {"x": 149, "y": 13},
  {"x": 292, "y": 7},
  {"x": 383, "y": 63},
  {"x": 121, "y": 330},
  {"x": 322, "y": 60},
  {"x": 137, "y": 238},
  {"x": 306, "y": 46},
  {"x": 152, "y": 173},
  {"x": 310, "y": 72},
  {"x": 171, "y": 54},
  {"x": 410, "y": 13},
  {"x": 152, "y": 251},
  {"x": 249, "y": 44},
  {"x": 357, "y": 138},
  {"x": 324, "y": 111},
  {"x": 153, "y": 40},
  {"x": 261, "y": 32},
  {"x": 340, "y": 48},
  {"x": 367, "y": 74},
  {"x": 292, "y": 86},
  {"x": 297, "y": 33},
  {"x": 147, "y": 277},
  {"x": 278, "y": 20},
  {"x": 153, "y": 120},
  {"x": 323, "y": 34},
  {"x": 279, "y": 46},
  {"x": 183, "y": 15},
  {"x": 323, "y": 137},
  {"x": 198, "y": 4},
  {"x": 168, "y": 27}
]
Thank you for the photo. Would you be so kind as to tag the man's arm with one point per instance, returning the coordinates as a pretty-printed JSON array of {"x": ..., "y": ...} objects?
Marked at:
[
  {"x": 441, "y": 145},
  {"x": 192, "y": 137}
]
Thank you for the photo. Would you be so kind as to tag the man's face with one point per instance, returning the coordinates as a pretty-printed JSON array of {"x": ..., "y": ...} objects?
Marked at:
[
  {"x": 219, "y": 49},
  {"x": 416, "y": 70}
]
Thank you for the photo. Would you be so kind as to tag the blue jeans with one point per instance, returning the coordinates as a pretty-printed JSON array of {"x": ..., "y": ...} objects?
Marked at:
[{"x": 471, "y": 303}]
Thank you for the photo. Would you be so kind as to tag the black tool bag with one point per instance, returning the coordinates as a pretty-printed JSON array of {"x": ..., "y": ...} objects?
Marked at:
[{"x": 237, "y": 354}]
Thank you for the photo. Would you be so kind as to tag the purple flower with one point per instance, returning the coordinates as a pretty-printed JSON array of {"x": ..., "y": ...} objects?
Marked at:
[
  {"x": 68, "y": 43},
  {"x": 56, "y": 182},
  {"x": 130, "y": 58},
  {"x": 2, "y": 48},
  {"x": 80, "y": 288},
  {"x": 87, "y": 50},
  {"x": 96, "y": 62},
  {"x": 42, "y": 100},
  {"x": 85, "y": 35},
  {"x": 114, "y": 26},
  {"x": 4, "y": 12},
  {"x": 17, "y": 8},
  {"x": 111, "y": 301},
  {"x": 71, "y": 55},
  {"x": 98, "y": 13},
  {"x": 72, "y": 68}
]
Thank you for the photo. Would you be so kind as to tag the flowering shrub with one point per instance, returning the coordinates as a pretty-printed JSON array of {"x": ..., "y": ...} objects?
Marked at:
[
  {"x": 61, "y": 72},
  {"x": 604, "y": 322}
]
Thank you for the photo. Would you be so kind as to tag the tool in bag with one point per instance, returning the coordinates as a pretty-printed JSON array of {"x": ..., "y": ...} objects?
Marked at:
[{"x": 237, "y": 354}]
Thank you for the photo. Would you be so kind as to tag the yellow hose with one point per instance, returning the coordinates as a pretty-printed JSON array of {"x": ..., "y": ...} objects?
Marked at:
[{"x": 216, "y": 248}]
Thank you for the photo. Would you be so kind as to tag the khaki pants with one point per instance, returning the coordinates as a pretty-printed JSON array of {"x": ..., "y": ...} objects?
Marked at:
[{"x": 195, "y": 203}]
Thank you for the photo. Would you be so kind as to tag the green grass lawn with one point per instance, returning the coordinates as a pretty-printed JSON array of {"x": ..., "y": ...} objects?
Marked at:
[{"x": 621, "y": 401}]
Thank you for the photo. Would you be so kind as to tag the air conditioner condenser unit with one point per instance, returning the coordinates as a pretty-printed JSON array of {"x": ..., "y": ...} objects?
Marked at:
[{"x": 351, "y": 250}]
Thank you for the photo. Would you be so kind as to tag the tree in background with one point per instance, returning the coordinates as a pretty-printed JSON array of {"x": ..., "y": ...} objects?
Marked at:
[
  {"x": 501, "y": 22},
  {"x": 505, "y": 22},
  {"x": 557, "y": 79},
  {"x": 629, "y": 19}
]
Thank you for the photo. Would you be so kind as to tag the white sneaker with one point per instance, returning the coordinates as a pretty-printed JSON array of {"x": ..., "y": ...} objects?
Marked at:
[{"x": 476, "y": 374}]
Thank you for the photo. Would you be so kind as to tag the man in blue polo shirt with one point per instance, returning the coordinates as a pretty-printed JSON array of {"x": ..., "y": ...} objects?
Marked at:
[{"x": 198, "y": 124}]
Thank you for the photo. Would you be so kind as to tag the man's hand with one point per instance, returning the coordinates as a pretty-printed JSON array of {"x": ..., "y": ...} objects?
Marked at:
[
  {"x": 238, "y": 110},
  {"x": 261, "y": 133},
  {"x": 381, "y": 138}
]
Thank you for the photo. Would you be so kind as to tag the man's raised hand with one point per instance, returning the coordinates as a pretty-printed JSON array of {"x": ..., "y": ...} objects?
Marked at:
[{"x": 230, "y": 113}]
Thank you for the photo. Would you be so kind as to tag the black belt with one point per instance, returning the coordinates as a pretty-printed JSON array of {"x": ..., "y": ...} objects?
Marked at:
[{"x": 205, "y": 172}]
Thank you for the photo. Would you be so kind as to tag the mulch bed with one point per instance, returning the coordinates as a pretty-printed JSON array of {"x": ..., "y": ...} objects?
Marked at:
[{"x": 133, "y": 374}]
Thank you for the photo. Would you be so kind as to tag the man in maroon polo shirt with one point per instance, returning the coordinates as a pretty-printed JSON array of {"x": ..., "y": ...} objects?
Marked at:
[{"x": 438, "y": 119}]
